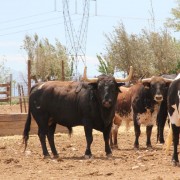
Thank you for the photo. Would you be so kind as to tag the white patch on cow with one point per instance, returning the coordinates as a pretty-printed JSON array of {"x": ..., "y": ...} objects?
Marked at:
[
  {"x": 177, "y": 77},
  {"x": 148, "y": 118},
  {"x": 41, "y": 86},
  {"x": 175, "y": 118}
]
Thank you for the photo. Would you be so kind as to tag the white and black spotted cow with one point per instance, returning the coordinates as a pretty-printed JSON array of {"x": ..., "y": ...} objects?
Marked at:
[
  {"x": 140, "y": 103},
  {"x": 174, "y": 115}
]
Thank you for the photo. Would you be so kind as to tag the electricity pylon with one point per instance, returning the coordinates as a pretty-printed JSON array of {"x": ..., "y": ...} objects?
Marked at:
[{"x": 76, "y": 38}]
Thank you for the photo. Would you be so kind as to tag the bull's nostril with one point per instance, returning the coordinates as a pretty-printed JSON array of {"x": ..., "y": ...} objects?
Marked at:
[
  {"x": 158, "y": 98},
  {"x": 107, "y": 103}
]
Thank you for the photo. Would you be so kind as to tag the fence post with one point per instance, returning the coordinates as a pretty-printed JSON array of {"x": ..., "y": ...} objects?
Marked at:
[
  {"x": 20, "y": 97},
  {"x": 10, "y": 88},
  {"x": 29, "y": 76},
  {"x": 63, "y": 77}
]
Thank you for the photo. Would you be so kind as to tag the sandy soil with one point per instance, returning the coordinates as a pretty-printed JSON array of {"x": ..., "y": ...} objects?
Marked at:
[{"x": 125, "y": 164}]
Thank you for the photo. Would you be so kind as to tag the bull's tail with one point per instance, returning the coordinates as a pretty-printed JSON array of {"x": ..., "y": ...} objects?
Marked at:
[
  {"x": 169, "y": 139},
  {"x": 27, "y": 129}
]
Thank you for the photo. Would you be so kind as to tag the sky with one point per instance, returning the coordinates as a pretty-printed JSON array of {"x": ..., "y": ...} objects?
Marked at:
[{"x": 45, "y": 17}]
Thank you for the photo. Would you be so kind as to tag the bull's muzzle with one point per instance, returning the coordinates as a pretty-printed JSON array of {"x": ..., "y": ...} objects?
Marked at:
[
  {"x": 107, "y": 103},
  {"x": 158, "y": 98}
]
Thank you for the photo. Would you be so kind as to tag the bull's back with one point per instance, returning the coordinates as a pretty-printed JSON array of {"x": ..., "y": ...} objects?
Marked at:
[
  {"x": 64, "y": 102},
  {"x": 123, "y": 105}
]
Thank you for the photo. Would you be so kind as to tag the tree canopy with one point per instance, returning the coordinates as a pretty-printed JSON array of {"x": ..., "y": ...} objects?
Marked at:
[
  {"x": 148, "y": 52},
  {"x": 174, "y": 22},
  {"x": 47, "y": 60}
]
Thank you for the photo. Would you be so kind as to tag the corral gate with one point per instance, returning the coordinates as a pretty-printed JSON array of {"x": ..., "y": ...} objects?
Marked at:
[{"x": 5, "y": 92}]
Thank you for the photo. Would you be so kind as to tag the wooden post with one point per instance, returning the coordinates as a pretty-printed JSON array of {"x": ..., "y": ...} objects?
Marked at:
[
  {"x": 24, "y": 101},
  {"x": 20, "y": 97},
  {"x": 29, "y": 76},
  {"x": 63, "y": 77},
  {"x": 10, "y": 88}
]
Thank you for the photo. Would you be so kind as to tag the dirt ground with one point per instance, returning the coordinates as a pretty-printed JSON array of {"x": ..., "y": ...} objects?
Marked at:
[{"x": 125, "y": 164}]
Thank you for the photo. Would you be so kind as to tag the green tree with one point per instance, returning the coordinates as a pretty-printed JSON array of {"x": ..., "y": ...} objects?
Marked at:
[
  {"x": 46, "y": 58},
  {"x": 104, "y": 67},
  {"x": 150, "y": 53},
  {"x": 174, "y": 22}
]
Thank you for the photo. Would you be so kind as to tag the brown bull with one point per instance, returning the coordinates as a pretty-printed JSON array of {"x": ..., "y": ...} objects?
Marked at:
[{"x": 140, "y": 103}]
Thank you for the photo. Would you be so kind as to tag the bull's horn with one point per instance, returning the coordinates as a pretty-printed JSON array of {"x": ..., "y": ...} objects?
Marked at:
[
  {"x": 168, "y": 80},
  {"x": 147, "y": 80},
  {"x": 127, "y": 78},
  {"x": 93, "y": 80}
]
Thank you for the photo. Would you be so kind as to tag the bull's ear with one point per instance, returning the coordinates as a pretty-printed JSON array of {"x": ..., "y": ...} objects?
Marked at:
[
  {"x": 94, "y": 85},
  {"x": 146, "y": 85},
  {"x": 119, "y": 85}
]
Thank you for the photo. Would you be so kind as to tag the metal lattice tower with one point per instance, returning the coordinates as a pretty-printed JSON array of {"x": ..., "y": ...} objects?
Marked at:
[{"x": 76, "y": 39}]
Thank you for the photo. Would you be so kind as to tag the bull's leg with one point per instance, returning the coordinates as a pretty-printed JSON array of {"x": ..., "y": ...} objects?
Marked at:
[
  {"x": 50, "y": 136},
  {"x": 106, "y": 134},
  {"x": 115, "y": 134},
  {"x": 42, "y": 132},
  {"x": 161, "y": 121},
  {"x": 137, "y": 133},
  {"x": 148, "y": 134},
  {"x": 89, "y": 140},
  {"x": 42, "y": 137},
  {"x": 111, "y": 138},
  {"x": 175, "y": 130}
]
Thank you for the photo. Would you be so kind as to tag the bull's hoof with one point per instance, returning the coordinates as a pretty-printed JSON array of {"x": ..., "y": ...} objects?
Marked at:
[
  {"x": 136, "y": 147},
  {"x": 109, "y": 156},
  {"x": 88, "y": 156},
  {"x": 47, "y": 156},
  {"x": 56, "y": 156},
  {"x": 175, "y": 163},
  {"x": 114, "y": 146},
  {"x": 149, "y": 147},
  {"x": 159, "y": 144}
]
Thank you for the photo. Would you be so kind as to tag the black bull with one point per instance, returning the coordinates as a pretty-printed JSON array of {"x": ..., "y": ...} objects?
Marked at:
[
  {"x": 162, "y": 114},
  {"x": 90, "y": 104}
]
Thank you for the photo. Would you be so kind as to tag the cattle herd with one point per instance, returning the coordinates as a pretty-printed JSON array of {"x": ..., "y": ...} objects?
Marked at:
[{"x": 102, "y": 103}]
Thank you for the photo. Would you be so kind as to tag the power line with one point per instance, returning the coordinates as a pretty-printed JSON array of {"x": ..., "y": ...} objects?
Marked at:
[
  {"x": 30, "y": 23},
  {"x": 123, "y": 17},
  {"x": 17, "y": 32},
  {"x": 26, "y": 17},
  {"x": 99, "y": 15}
]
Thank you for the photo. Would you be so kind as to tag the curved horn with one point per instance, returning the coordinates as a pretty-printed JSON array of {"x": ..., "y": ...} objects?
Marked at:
[
  {"x": 146, "y": 80},
  {"x": 92, "y": 80},
  {"x": 168, "y": 80},
  {"x": 127, "y": 78}
]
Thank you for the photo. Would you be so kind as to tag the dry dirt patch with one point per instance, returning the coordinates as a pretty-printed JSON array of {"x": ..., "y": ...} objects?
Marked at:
[{"x": 126, "y": 163}]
